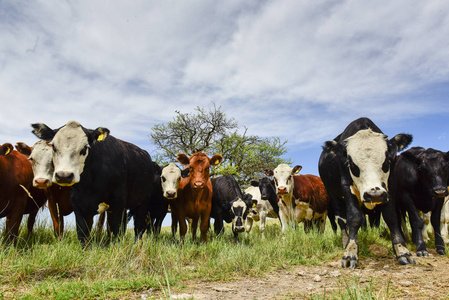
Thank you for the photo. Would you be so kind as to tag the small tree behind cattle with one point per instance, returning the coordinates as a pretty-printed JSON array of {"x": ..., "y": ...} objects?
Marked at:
[{"x": 211, "y": 131}]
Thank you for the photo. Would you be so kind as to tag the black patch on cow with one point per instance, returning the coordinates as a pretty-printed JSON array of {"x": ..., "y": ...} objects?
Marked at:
[
  {"x": 354, "y": 169},
  {"x": 386, "y": 164}
]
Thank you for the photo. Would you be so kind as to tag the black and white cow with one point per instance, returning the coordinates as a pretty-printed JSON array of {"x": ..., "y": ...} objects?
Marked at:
[
  {"x": 102, "y": 170},
  {"x": 421, "y": 177},
  {"x": 229, "y": 205},
  {"x": 264, "y": 192},
  {"x": 356, "y": 168}
]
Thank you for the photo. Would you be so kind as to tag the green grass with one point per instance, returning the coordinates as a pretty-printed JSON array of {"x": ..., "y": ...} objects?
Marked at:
[{"x": 40, "y": 267}]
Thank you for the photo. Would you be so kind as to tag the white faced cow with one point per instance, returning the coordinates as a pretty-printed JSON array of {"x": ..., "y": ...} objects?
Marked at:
[{"x": 356, "y": 168}]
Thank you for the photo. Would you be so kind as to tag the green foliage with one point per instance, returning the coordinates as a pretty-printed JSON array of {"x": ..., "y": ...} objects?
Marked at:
[{"x": 211, "y": 131}]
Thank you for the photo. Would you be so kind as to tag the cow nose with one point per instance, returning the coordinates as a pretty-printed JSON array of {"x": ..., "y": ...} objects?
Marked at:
[
  {"x": 282, "y": 190},
  {"x": 440, "y": 192},
  {"x": 198, "y": 184},
  {"x": 376, "y": 195},
  {"x": 239, "y": 229},
  {"x": 264, "y": 197},
  {"x": 42, "y": 183},
  {"x": 64, "y": 177},
  {"x": 171, "y": 194}
]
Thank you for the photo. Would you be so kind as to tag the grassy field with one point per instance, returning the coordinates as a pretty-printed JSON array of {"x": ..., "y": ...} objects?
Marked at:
[{"x": 42, "y": 268}]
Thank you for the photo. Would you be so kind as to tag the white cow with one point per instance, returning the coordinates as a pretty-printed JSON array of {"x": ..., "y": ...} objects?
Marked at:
[{"x": 260, "y": 212}]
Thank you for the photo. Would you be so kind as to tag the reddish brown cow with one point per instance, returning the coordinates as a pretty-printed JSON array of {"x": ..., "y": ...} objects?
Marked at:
[
  {"x": 302, "y": 198},
  {"x": 195, "y": 193},
  {"x": 17, "y": 195}
]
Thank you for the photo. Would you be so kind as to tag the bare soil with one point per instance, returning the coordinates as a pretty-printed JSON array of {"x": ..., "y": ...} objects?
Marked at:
[{"x": 382, "y": 276}]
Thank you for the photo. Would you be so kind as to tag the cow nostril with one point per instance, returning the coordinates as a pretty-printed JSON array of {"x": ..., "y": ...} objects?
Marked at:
[
  {"x": 42, "y": 183},
  {"x": 64, "y": 177}
]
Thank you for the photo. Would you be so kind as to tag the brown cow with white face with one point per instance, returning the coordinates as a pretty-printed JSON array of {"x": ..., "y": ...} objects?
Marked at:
[{"x": 195, "y": 193}]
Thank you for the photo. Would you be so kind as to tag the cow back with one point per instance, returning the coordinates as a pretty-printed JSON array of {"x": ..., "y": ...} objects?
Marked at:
[{"x": 310, "y": 188}]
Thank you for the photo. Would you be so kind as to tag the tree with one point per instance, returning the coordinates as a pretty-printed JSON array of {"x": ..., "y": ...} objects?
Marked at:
[{"x": 211, "y": 131}]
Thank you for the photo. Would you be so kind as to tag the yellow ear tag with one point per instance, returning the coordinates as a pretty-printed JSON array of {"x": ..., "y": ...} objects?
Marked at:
[
  {"x": 254, "y": 205},
  {"x": 297, "y": 171},
  {"x": 102, "y": 207},
  {"x": 8, "y": 151},
  {"x": 100, "y": 137},
  {"x": 217, "y": 162}
]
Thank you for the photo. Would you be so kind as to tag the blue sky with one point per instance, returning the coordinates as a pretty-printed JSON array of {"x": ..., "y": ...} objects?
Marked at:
[{"x": 299, "y": 70}]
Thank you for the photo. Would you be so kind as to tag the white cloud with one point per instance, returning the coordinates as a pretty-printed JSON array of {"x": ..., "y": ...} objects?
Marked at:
[{"x": 298, "y": 70}]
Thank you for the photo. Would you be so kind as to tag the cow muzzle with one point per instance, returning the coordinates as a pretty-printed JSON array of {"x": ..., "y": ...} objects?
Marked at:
[
  {"x": 375, "y": 196},
  {"x": 440, "y": 192},
  {"x": 282, "y": 190},
  {"x": 198, "y": 184},
  {"x": 41, "y": 183},
  {"x": 64, "y": 178},
  {"x": 170, "y": 194}
]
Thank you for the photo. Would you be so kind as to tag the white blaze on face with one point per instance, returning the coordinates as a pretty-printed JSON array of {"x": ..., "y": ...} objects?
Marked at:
[
  {"x": 238, "y": 209},
  {"x": 41, "y": 159},
  {"x": 170, "y": 177},
  {"x": 283, "y": 179},
  {"x": 366, "y": 152},
  {"x": 70, "y": 150}
]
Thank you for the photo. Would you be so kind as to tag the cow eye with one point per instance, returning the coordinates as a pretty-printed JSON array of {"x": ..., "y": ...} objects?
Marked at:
[
  {"x": 84, "y": 150},
  {"x": 354, "y": 169},
  {"x": 163, "y": 178}
]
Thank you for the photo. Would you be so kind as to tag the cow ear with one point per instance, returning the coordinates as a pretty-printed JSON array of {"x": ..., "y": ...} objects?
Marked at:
[
  {"x": 254, "y": 183},
  {"x": 5, "y": 149},
  {"x": 268, "y": 172},
  {"x": 335, "y": 147},
  {"x": 99, "y": 134},
  {"x": 43, "y": 132},
  {"x": 183, "y": 159},
  {"x": 401, "y": 141},
  {"x": 216, "y": 159},
  {"x": 185, "y": 173},
  {"x": 296, "y": 169},
  {"x": 24, "y": 148}
]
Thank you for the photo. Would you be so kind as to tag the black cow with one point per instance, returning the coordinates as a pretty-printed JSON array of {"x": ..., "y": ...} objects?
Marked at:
[
  {"x": 229, "y": 204},
  {"x": 421, "y": 177},
  {"x": 356, "y": 169},
  {"x": 102, "y": 170}
]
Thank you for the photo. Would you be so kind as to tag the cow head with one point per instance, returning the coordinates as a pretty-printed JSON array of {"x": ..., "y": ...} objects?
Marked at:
[
  {"x": 199, "y": 164},
  {"x": 368, "y": 156},
  {"x": 170, "y": 177},
  {"x": 70, "y": 145},
  {"x": 266, "y": 188},
  {"x": 283, "y": 178},
  {"x": 239, "y": 210},
  {"x": 432, "y": 167},
  {"x": 41, "y": 158}
]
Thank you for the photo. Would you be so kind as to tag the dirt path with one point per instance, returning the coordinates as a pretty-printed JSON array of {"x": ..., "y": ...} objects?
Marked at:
[{"x": 428, "y": 279}]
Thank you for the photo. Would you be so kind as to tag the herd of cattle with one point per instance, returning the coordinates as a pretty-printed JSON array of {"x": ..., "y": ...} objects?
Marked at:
[{"x": 90, "y": 172}]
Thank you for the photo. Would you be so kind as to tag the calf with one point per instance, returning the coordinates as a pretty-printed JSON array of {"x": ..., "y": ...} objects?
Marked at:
[
  {"x": 301, "y": 198},
  {"x": 264, "y": 193},
  {"x": 356, "y": 169},
  {"x": 103, "y": 172},
  {"x": 170, "y": 179},
  {"x": 229, "y": 204},
  {"x": 195, "y": 193},
  {"x": 17, "y": 196},
  {"x": 421, "y": 185}
]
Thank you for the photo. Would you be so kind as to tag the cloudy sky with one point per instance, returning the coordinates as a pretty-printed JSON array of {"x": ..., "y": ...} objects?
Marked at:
[{"x": 299, "y": 70}]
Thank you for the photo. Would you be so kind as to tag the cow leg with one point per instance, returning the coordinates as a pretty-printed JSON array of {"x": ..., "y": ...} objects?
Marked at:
[
  {"x": 249, "y": 225},
  {"x": 12, "y": 227},
  {"x": 55, "y": 214},
  {"x": 30, "y": 222},
  {"x": 83, "y": 227},
  {"x": 405, "y": 231},
  {"x": 194, "y": 227},
  {"x": 435, "y": 218},
  {"x": 308, "y": 225},
  {"x": 283, "y": 215},
  {"x": 182, "y": 225},
  {"x": 262, "y": 222},
  {"x": 425, "y": 230},
  {"x": 354, "y": 222},
  {"x": 174, "y": 223},
  {"x": 417, "y": 225},
  {"x": 218, "y": 225},
  {"x": 390, "y": 215}
]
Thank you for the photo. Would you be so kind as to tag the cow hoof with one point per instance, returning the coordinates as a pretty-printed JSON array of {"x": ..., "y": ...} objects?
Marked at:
[
  {"x": 422, "y": 253},
  {"x": 349, "y": 262},
  {"x": 405, "y": 260},
  {"x": 441, "y": 252}
]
